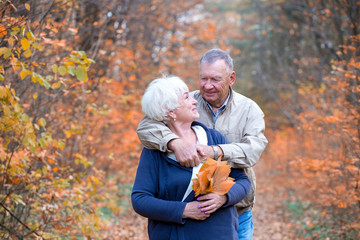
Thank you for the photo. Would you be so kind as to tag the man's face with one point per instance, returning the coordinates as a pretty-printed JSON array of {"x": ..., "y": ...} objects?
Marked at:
[{"x": 215, "y": 81}]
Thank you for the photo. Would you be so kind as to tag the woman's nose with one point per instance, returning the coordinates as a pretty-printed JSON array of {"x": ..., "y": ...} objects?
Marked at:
[{"x": 194, "y": 100}]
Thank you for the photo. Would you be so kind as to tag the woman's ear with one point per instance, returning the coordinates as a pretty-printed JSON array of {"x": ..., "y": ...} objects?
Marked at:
[{"x": 172, "y": 114}]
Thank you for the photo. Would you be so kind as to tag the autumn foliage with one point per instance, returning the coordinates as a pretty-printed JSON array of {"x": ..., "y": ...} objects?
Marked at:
[
  {"x": 72, "y": 74},
  {"x": 213, "y": 177}
]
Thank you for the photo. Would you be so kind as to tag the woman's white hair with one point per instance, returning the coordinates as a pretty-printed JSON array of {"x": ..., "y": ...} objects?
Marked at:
[{"x": 162, "y": 96}]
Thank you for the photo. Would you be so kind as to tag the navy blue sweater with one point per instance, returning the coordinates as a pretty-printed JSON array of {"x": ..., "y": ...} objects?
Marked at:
[{"x": 159, "y": 187}]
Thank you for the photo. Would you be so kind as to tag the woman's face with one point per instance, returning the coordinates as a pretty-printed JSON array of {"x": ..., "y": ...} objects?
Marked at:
[{"x": 186, "y": 112}]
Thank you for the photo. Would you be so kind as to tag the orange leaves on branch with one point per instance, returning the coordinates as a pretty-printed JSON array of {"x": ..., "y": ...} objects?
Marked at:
[
  {"x": 213, "y": 177},
  {"x": 3, "y": 31}
]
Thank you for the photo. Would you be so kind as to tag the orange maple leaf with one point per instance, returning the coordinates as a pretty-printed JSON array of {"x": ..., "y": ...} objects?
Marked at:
[{"x": 213, "y": 177}]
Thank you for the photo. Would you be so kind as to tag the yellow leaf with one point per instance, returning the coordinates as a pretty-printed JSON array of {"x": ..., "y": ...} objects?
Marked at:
[
  {"x": 68, "y": 133},
  {"x": 35, "y": 95},
  {"x": 6, "y": 51},
  {"x": 24, "y": 73},
  {"x": 27, "y": 6},
  {"x": 36, "y": 45},
  {"x": 25, "y": 44},
  {"x": 27, "y": 53},
  {"x": 54, "y": 68},
  {"x": 42, "y": 122},
  {"x": 80, "y": 74},
  {"x": 62, "y": 70},
  {"x": 56, "y": 85},
  {"x": 30, "y": 36}
]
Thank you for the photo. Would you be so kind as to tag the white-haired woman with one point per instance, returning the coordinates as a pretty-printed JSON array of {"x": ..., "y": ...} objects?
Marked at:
[{"x": 162, "y": 189}]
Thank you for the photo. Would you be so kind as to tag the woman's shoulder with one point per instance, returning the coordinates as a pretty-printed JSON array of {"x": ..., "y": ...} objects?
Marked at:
[
  {"x": 155, "y": 155},
  {"x": 158, "y": 158}
]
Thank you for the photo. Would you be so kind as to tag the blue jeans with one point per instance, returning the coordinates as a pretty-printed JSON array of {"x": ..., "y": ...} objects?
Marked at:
[{"x": 246, "y": 228}]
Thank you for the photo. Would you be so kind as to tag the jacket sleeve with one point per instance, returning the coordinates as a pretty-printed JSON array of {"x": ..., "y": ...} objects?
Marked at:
[
  {"x": 242, "y": 185},
  {"x": 247, "y": 151},
  {"x": 145, "y": 191},
  {"x": 154, "y": 135},
  {"x": 240, "y": 189}
]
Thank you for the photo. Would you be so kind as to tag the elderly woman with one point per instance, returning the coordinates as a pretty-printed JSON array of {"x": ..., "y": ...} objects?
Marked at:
[{"x": 162, "y": 189}]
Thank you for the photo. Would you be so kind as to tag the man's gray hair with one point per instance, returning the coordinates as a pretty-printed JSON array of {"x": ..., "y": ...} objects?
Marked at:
[
  {"x": 215, "y": 54},
  {"x": 162, "y": 96}
]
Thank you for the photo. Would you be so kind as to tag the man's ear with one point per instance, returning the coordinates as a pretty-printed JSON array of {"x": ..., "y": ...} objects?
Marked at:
[{"x": 232, "y": 78}]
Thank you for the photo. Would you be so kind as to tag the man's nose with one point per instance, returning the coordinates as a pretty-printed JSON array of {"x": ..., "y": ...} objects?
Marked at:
[{"x": 208, "y": 84}]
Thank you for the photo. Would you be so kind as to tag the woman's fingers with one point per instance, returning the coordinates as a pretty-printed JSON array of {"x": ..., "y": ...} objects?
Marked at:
[
  {"x": 209, "y": 203},
  {"x": 193, "y": 211}
]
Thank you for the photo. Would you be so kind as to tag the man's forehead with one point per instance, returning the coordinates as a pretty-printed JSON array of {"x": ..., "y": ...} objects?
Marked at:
[
  {"x": 217, "y": 61},
  {"x": 212, "y": 72},
  {"x": 215, "y": 74}
]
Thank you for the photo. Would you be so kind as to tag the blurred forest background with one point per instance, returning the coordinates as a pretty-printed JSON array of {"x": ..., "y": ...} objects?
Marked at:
[{"x": 72, "y": 74}]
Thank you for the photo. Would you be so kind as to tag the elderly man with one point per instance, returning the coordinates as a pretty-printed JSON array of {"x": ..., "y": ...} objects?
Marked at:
[{"x": 237, "y": 117}]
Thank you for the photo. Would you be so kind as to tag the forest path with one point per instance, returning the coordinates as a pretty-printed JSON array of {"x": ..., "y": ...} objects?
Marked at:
[{"x": 270, "y": 218}]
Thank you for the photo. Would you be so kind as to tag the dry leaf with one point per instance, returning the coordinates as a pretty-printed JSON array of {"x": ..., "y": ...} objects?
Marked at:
[
  {"x": 3, "y": 31},
  {"x": 213, "y": 177}
]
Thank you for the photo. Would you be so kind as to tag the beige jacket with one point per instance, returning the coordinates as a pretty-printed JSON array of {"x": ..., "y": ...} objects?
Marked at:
[{"x": 242, "y": 124}]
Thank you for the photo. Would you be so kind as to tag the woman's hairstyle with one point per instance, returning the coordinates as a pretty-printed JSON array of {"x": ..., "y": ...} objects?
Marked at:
[
  {"x": 215, "y": 54},
  {"x": 162, "y": 96}
]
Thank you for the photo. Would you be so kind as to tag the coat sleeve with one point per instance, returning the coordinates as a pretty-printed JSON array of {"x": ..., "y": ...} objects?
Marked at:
[
  {"x": 144, "y": 196},
  {"x": 242, "y": 185},
  {"x": 246, "y": 152},
  {"x": 154, "y": 134},
  {"x": 240, "y": 189}
]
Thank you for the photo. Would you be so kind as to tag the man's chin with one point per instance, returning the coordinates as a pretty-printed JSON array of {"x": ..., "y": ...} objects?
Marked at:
[{"x": 209, "y": 99}]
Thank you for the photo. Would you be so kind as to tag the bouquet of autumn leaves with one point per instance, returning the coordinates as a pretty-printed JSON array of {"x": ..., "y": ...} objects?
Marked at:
[{"x": 213, "y": 177}]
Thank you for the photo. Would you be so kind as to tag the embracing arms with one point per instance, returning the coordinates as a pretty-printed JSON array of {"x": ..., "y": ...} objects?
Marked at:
[
  {"x": 156, "y": 135},
  {"x": 245, "y": 136}
]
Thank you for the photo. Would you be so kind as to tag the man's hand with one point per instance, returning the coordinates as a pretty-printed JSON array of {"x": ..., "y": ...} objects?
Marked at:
[
  {"x": 193, "y": 211},
  {"x": 208, "y": 151},
  {"x": 186, "y": 154},
  {"x": 211, "y": 202}
]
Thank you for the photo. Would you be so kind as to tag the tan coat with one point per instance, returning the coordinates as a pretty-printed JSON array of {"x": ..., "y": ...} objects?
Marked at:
[{"x": 242, "y": 124}]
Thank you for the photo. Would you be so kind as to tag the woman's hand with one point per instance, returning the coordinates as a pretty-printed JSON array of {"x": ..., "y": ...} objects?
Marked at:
[
  {"x": 209, "y": 203},
  {"x": 192, "y": 210}
]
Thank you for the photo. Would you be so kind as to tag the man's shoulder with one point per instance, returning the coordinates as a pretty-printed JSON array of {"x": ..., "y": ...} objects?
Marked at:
[
  {"x": 238, "y": 97},
  {"x": 196, "y": 95},
  {"x": 242, "y": 100}
]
